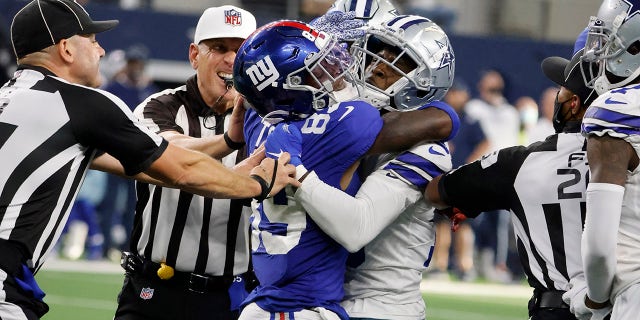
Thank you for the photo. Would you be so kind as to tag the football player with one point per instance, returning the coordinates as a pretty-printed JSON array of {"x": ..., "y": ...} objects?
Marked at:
[
  {"x": 405, "y": 64},
  {"x": 288, "y": 71},
  {"x": 611, "y": 240}
]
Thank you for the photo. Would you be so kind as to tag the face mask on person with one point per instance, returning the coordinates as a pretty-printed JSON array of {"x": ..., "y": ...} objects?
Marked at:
[{"x": 559, "y": 120}]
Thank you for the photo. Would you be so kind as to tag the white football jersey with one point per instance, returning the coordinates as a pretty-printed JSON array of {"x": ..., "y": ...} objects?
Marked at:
[
  {"x": 617, "y": 113},
  {"x": 390, "y": 218}
]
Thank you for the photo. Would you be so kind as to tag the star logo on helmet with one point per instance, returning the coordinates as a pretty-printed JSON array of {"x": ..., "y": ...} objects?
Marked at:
[{"x": 447, "y": 57}]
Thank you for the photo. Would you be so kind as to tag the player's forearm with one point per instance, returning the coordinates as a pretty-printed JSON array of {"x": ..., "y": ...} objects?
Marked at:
[
  {"x": 354, "y": 222},
  {"x": 403, "y": 130},
  {"x": 599, "y": 239}
]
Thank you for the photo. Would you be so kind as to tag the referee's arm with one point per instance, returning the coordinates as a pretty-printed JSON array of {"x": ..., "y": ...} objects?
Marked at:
[{"x": 198, "y": 173}]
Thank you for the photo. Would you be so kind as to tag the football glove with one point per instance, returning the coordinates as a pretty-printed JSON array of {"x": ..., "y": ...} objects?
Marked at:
[
  {"x": 342, "y": 25},
  {"x": 575, "y": 299},
  {"x": 285, "y": 138},
  {"x": 455, "y": 215}
]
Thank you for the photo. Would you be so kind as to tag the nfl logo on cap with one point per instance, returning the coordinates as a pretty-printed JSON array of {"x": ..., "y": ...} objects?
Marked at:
[{"x": 232, "y": 17}]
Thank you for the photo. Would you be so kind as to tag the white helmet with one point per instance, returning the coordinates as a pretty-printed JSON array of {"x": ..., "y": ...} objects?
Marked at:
[
  {"x": 373, "y": 11},
  {"x": 613, "y": 42},
  {"x": 427, "y": 46}
]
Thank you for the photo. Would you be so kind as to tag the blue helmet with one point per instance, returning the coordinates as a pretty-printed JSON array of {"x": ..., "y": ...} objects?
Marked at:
[{"x": 286, "y": 70}]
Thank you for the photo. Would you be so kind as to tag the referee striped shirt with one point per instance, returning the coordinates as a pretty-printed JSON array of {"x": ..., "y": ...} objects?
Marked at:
[
  {"x": 50, "y": 130},
  {"x": 189, "y": 232},
  {"x": 544, "y": 186}
]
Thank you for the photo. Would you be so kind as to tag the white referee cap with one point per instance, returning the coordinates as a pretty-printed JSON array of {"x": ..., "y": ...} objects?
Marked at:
[{"x": 224, "y": 22}]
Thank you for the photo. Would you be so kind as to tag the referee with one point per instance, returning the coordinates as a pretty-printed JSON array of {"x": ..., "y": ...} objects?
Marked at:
[
  {"x": 544, "y": 186},
  {"x": 203, "y": 241},
  {"x": 53, "y": 123}
]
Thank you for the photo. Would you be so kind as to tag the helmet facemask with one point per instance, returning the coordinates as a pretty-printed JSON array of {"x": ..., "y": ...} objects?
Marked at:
[
  {"x": 613, "y": 47},
  {"x": 323, "y": 74}
]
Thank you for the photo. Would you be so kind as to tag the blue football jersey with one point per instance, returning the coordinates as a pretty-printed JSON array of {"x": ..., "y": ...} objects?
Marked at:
[{"x": 297, "y": 264}]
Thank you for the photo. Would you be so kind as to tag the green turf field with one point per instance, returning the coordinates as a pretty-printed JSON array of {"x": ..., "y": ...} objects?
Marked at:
[{"x": 76, "y": 296}]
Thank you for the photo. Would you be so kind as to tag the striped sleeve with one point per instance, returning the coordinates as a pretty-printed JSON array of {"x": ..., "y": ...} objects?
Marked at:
[{"x": 419, "y": 165}]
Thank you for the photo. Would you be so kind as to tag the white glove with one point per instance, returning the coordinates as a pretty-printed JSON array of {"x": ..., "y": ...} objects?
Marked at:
[
  {"x": 575, "y": 299},
  {"x": 599, "y": 314}
]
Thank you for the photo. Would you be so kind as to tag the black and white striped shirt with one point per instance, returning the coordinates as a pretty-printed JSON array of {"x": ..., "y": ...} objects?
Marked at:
[
  {"x": 544, "y": 186},
  {"x": 50, "y": 130},
  {"x": 189, "y": 232}
]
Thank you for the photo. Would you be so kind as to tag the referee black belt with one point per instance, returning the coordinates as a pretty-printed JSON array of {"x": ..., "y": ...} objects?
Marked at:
[
  {"x": 133, "y": 264},
  {"x": 549, "y": 299}
]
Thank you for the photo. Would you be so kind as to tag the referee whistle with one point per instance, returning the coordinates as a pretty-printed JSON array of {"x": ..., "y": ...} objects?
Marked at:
[{"x": 165, "y": 272}]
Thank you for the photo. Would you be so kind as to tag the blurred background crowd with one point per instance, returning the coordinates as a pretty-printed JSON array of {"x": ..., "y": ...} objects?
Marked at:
[{"x": 500, "y": 93}]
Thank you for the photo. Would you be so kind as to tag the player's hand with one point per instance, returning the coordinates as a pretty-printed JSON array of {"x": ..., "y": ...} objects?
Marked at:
[
  {"x": 285, "y": 138},
  {"x": 575, "y": 299},
  {"x": 455, "y": 215},
  {"x": 342, "y": 25}
]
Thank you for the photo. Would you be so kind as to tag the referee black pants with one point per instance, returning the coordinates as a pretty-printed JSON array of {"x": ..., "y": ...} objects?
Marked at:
[{"x": 143, "y": 298}]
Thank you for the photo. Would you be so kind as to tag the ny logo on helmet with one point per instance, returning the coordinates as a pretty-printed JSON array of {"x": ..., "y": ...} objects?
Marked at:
[{"x": 263, "y": 73}]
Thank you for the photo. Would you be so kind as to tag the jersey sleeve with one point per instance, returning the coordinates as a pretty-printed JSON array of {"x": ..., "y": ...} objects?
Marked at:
[
  {"x": 355, "y": 221},
  {"x": 615, "y": 114},
  {"x": 419, "y": 165},
  {"x": 485, "y": 184},
  {"x": 110, "y": 126}
]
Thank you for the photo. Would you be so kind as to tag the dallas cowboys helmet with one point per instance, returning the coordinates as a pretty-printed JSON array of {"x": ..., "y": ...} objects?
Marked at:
[
  {"x": 372, "y": 11},
  {"x": 422, "y": 42},
  {"x": 613, "y": 43},
  {"x": 286, "y": 70}
]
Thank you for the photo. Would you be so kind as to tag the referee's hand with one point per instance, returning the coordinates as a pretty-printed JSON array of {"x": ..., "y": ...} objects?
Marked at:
[{"x": 278, "y": 174}]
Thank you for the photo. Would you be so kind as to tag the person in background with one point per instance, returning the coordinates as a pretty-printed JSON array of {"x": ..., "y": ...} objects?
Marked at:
[
  {"x": 544, "y": 127},
  {"x": 528, "y": 110},
  {"x": 468, "y": 145},
  {"x": 500, "y": 123}
]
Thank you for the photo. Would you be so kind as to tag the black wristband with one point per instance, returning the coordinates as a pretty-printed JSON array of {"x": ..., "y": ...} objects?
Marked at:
[
  {"x": 264, "y": 187},
  {"x": 230, "y": 143}
]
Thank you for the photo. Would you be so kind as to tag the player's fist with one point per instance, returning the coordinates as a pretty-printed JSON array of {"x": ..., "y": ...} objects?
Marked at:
[{"x": 285, "y": 138}]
